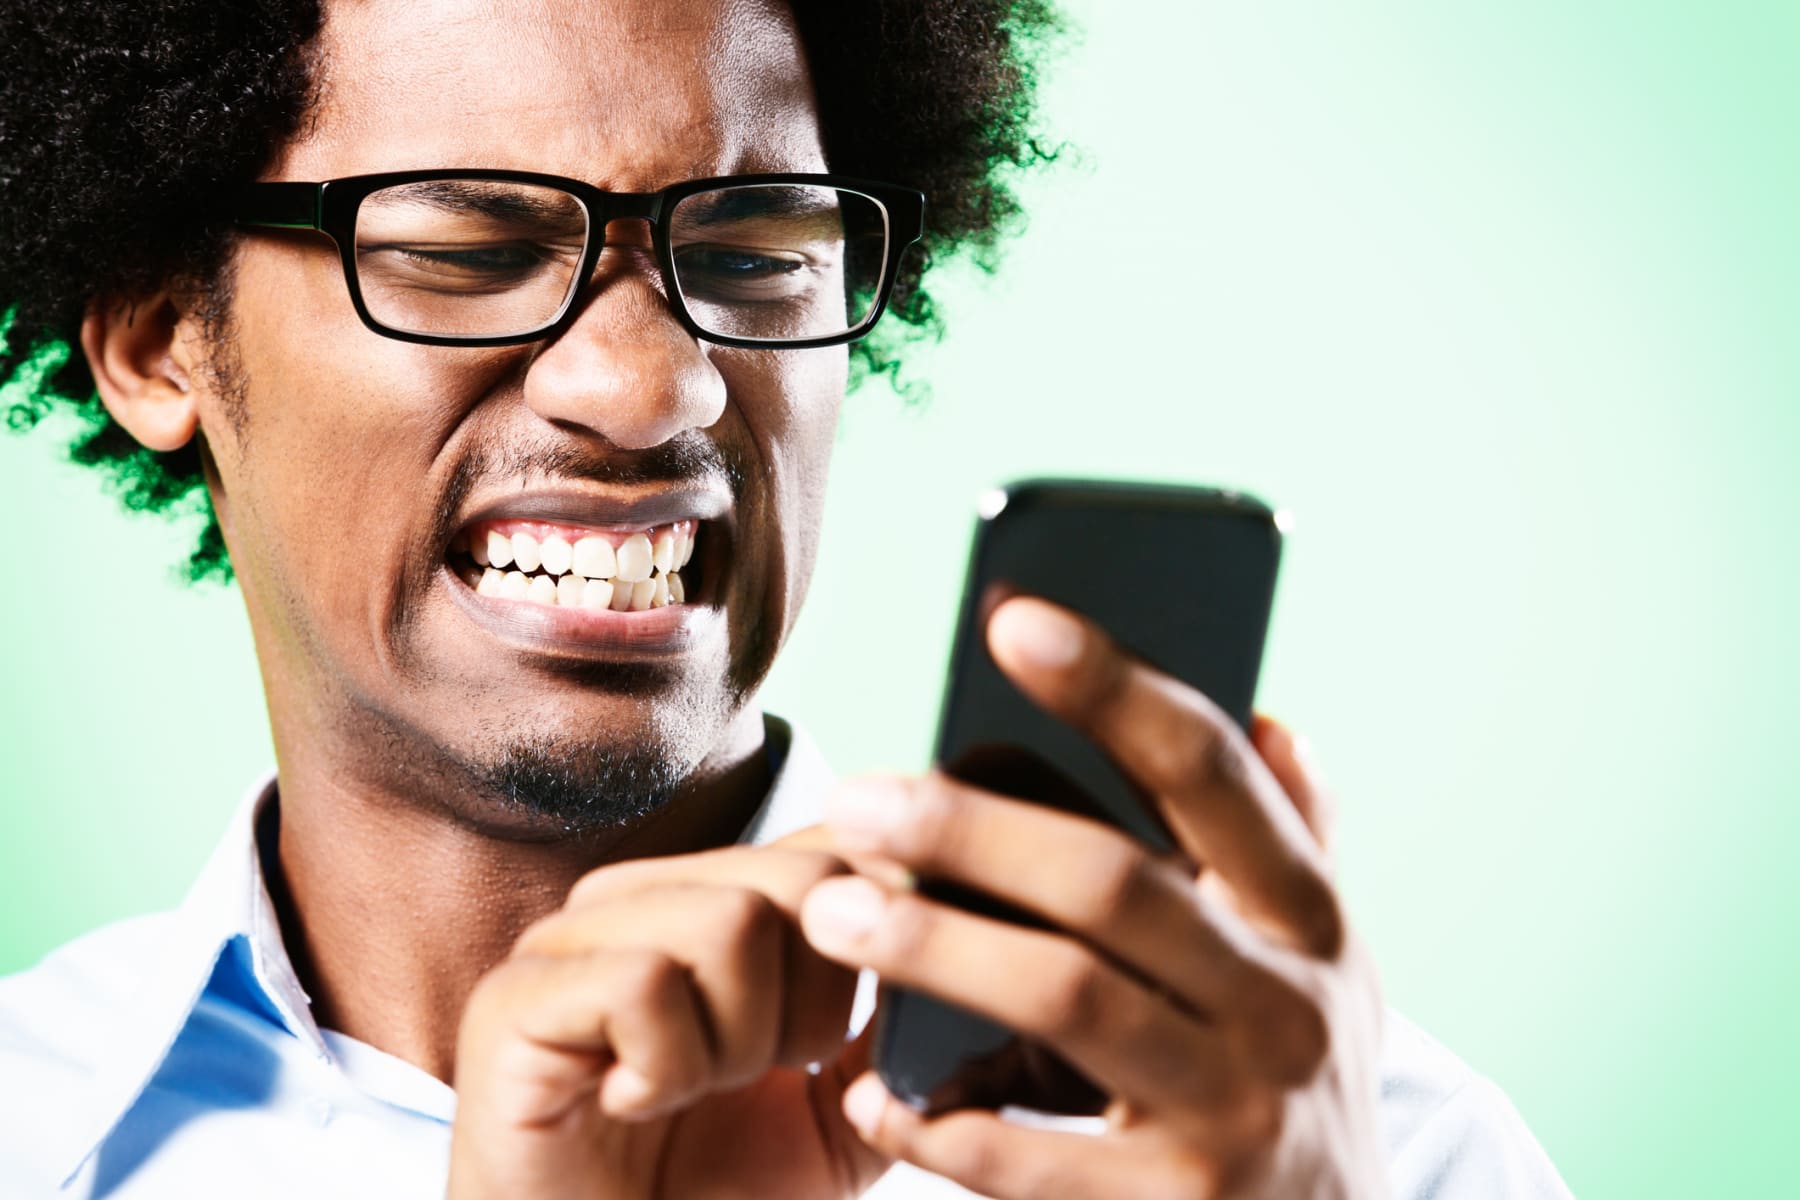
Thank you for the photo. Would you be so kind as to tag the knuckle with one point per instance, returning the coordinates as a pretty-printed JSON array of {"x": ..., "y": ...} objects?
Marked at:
[
  {"x": 785, "y": 874},
  {"x": 507, "y": 991},
  {"x": 934, "y": 826},
  {"x": 1221, "y": 759},
  {"x": 646, "y": 978},
  {"x": 1193, "y": 748},
  {"x": 589, "y": 888},
  {"x": 984, "y": 1160},
  {"x": 1072, "y": 996},
  {"x": 906, "y": 930},
  {"x": 544, "y": 936},
  {"x": 605, "y": 882},
  {"x": 1122, "y": 878},
  {"x": 492, "y": 993},
  {"x": 1181, "y": 757},
  {"x": 1308, "y": 1041},
  {"x": 1101, "y": 681},
  {"x": 1323, "y": 928},
  {"x": 746, "y": 918},
  {"x": 815, "y": 866},
  {"x": 1137, "y": 1018},
  {"x": 1293, "y": 1033}
]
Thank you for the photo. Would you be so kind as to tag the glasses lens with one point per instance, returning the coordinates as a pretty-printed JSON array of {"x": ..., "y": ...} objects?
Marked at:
[
  {"x": 779, "y": 262},
  {"x": 468, "y": 257}
]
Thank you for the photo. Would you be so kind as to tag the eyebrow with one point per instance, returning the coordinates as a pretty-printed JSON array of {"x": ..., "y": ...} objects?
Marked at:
[
  {"x": 483, "y": 197},
  {"x": 750, "y": 202}
]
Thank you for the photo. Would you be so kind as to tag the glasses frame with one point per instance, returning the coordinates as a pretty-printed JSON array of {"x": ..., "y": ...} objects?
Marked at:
[{"x": 330, "y": 207}]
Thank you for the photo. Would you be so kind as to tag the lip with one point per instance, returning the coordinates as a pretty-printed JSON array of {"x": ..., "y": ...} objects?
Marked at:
[
  {"x": 584, "y": 633},
  {"x": 600, "y": 635},
  {"x": 606, "y": 510}
]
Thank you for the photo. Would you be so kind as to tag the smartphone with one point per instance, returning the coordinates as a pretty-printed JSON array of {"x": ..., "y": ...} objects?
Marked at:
[{"x": 1183, "y": 577}]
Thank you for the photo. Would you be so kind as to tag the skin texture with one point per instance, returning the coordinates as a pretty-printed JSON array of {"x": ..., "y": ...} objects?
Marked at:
[
  {"x": 330, "y": 482},
  {"x": 626, "y": 1012},
  {"x": 1229, "y": 1012}
]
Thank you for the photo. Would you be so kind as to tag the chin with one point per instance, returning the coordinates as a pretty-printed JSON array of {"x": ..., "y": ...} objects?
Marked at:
[{"x": 615, "y": 744}]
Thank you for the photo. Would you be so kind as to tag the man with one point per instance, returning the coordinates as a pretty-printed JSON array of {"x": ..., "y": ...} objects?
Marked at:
[{"x": 522, "y": 479}]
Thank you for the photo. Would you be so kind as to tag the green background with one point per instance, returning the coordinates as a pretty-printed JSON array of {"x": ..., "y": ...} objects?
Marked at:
[{"x": 1502, "y": 302}]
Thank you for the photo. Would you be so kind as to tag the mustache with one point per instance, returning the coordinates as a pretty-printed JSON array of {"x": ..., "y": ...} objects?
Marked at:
[{"x": 687, "y": 458}]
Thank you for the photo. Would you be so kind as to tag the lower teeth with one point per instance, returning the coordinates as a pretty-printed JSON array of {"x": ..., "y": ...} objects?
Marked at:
[{"x": 574, "y": 591}]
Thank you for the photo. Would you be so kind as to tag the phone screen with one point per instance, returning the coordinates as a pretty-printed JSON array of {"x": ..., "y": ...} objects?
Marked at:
[{"x": 1182, "y": 577}]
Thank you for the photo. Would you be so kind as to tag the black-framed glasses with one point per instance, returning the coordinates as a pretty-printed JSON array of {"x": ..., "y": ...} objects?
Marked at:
[{"x": 496, "y": 258}]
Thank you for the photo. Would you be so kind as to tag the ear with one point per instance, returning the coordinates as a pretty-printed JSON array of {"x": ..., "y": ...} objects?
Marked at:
[{"x": 140, "y": 362}]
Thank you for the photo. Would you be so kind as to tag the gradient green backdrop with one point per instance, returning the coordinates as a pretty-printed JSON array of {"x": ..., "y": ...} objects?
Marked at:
[{"x": 1502, "y": 301}]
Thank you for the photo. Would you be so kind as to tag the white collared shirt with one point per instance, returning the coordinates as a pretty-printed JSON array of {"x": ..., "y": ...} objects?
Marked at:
[{"x": 174, "y": 1056}]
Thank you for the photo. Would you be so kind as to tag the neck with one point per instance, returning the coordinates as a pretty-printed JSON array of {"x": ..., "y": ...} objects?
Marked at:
[{"x": 391, "y": 909}]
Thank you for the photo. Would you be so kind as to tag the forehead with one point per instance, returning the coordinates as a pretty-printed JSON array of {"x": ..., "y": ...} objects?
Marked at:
[{"x": 629, "y": 94}]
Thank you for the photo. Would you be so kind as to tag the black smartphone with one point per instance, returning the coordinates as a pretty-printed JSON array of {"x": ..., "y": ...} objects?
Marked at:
[{"x": 1183, "y": 577}]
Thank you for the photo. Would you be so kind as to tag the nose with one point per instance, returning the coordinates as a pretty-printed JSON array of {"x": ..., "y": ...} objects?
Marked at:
[{"x": 626, "y": 369}]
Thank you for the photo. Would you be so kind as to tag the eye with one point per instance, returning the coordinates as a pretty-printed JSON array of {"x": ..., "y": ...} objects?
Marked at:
[
  {"x": 734, "y": 263},
  {"x": 709, "y": 273},
  {"x": 483, "y": 260}
]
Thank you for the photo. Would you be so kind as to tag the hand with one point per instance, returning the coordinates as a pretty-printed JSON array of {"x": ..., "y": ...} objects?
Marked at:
[
  {"x": 1226, "y": 1010},
  {"x": 649, "y": 1040}
]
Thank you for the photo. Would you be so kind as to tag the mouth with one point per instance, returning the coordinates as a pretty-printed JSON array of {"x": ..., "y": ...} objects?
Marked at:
[{"x": 552, "y": 564}]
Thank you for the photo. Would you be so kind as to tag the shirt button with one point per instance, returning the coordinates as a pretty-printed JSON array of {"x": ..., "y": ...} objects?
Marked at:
[{"x": 320, "y": 1112}]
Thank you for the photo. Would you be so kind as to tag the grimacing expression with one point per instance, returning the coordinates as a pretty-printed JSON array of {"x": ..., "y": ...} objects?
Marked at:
[{"x": 353, "y": 470}]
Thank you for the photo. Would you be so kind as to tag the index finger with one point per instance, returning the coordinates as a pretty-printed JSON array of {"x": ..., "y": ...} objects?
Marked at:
[
  {"x": 1215, "y": 793},
  {"x": 784, "y": 872}
]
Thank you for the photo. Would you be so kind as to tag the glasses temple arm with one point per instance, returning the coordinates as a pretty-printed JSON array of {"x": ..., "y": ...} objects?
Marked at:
[{"x": 279, "y": 205}]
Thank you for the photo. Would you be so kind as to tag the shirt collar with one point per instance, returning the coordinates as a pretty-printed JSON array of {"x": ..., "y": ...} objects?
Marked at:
[
  {"x": 230, "y": 900},
  {"x": 220, "y": 906},
  {"x": 799, "y": 779}
]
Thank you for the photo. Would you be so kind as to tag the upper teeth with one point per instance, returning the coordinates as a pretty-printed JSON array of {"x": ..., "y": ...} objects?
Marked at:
[
  {"x": 593, "y": 557},
  {"x": 635, "y": 558},
  {"x": 590, "y": 573},
  {"x": 525, "y": 552},
  {"x": 555, "y": 555}
]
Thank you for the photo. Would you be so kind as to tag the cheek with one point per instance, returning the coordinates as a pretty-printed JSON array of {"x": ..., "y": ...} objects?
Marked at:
[
  {"x": 329, "y": 473},
  {"x": 790, "y": 415},
  {"x": 806, "y": 500}
]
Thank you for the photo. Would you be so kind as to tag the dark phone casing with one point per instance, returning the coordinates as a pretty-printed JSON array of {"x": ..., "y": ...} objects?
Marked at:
[{"x": 1183, "y": 577}]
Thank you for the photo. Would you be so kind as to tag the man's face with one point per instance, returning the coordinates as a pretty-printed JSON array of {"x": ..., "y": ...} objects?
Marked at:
[{"x": 353, "y": 466}]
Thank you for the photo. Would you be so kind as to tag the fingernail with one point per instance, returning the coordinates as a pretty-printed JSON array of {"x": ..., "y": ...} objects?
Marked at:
[
  {"x": 840, "y": 912},
  {"x": 863, "y": 1104},
  {"x": 863, "y": 812},
  {"x": 1045, "y": 636}
]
